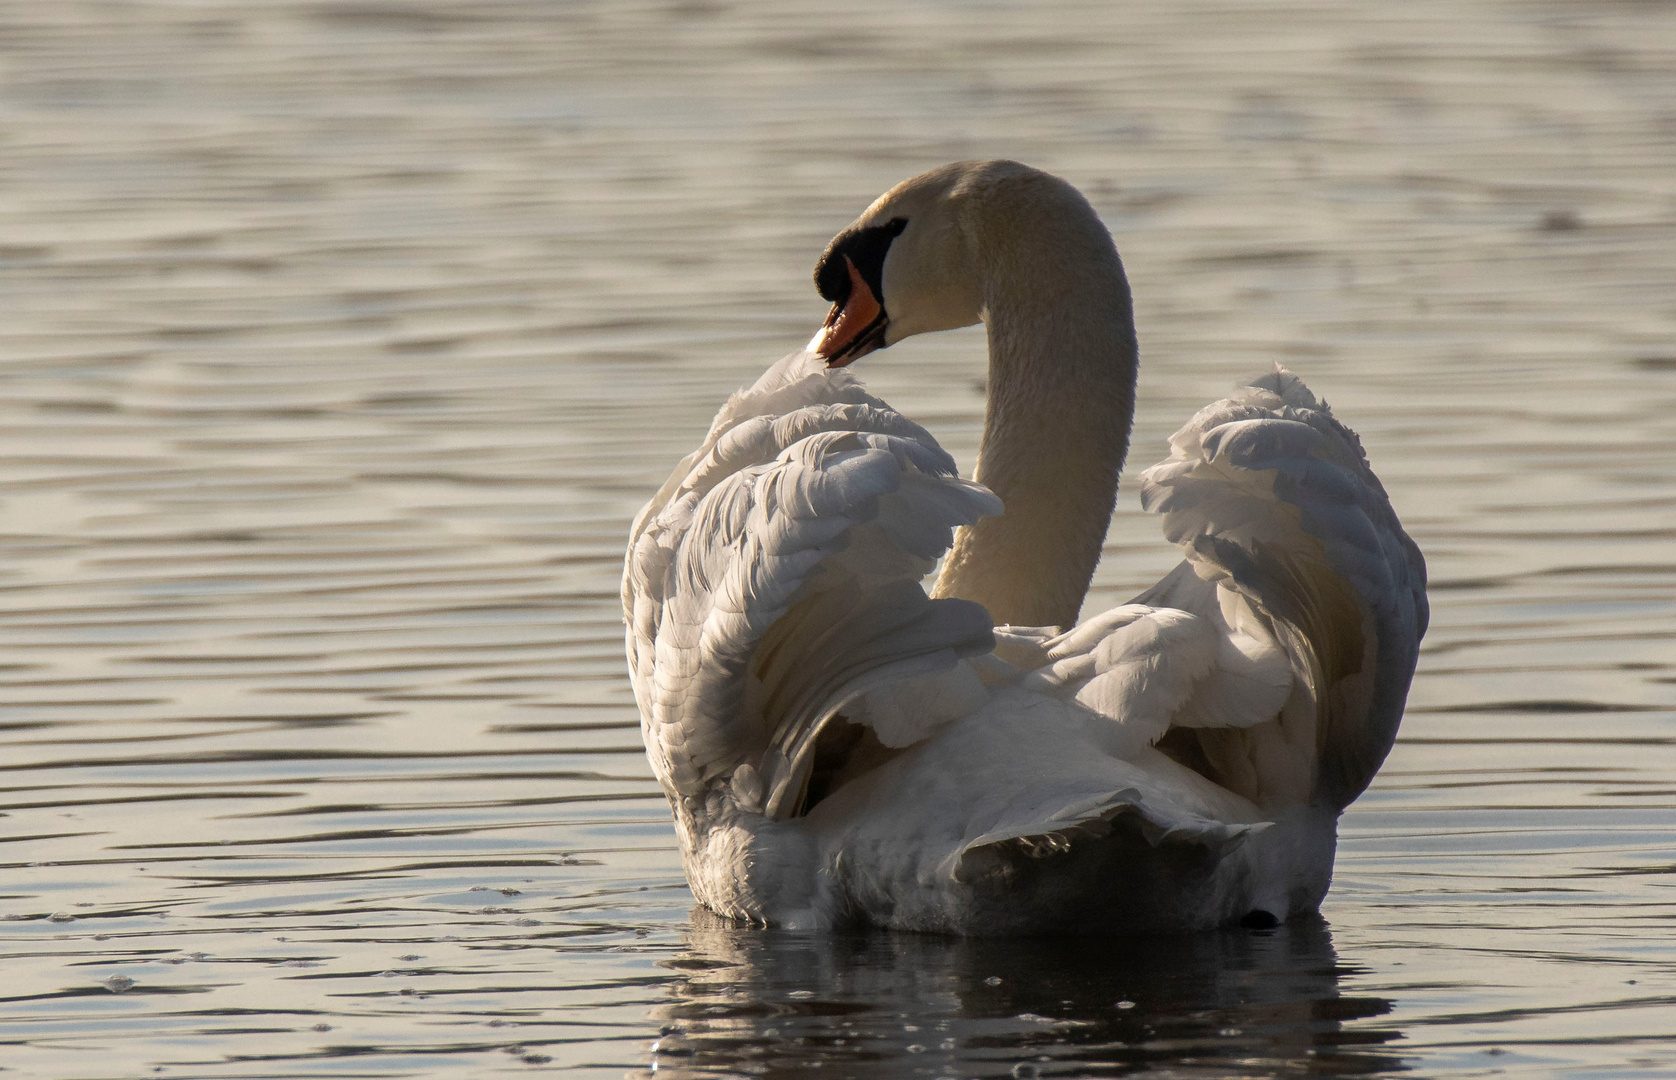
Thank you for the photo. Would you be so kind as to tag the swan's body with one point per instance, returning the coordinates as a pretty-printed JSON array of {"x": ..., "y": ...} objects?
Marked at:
[{"x": 838, "y": 746}]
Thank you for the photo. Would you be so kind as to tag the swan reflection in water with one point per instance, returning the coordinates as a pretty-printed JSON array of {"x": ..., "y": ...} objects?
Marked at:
[{"x": 1230, "y": 1003}]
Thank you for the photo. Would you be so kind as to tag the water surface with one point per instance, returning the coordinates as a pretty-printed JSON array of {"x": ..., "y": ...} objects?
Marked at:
[{"x": 341, "y": 340}]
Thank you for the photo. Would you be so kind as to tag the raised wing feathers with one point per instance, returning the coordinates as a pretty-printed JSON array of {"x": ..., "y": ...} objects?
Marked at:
[
  {"x": 777, "y": 578},
  {"x": 1292, "y": 542}
]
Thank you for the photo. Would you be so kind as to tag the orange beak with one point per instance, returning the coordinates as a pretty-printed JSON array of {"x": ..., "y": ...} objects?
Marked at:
[{"x": 853, "y": 328}]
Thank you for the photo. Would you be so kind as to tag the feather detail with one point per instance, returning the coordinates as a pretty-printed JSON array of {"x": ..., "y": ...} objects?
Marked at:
[
  {"x": 775, "y": 578},
  {"x": 1292, "y": 543}
]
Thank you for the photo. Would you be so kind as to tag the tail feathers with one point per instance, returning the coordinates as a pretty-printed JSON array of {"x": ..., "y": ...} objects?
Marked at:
[{"x": 1052, "y": 822}]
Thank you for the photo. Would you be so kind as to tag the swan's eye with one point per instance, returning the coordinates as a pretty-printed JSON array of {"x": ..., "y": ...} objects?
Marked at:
[{"x": 866, "y": 248}]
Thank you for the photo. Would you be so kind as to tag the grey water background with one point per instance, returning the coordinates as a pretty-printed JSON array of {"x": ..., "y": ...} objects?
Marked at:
[{"x": 339, "y": 341}]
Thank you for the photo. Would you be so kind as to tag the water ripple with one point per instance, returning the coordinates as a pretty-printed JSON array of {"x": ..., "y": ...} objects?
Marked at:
[{"x": 343, "y": 339}]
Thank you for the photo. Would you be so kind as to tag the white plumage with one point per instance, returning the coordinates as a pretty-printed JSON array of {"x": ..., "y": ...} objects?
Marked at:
[{"x": 839, "y": 746}]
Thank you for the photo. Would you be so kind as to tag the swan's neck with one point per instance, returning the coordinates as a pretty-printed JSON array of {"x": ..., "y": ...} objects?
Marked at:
[{"x": 1062, "y": 361}]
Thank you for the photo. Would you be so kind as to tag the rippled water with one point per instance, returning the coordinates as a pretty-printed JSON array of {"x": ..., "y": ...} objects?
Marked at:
[{"x": 340, "y": 341}]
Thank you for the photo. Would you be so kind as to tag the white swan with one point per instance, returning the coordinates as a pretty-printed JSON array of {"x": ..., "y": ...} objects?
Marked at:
[{"x": 839, "y": 747}]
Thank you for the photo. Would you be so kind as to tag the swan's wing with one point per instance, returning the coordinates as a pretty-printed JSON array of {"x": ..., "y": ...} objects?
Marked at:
[
  {"x": 1294, "y": 552},
  {"x": 775, "y": 579}
]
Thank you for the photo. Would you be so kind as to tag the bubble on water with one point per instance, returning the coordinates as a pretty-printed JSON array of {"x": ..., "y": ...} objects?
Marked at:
[
  {"x": 993, "y": 980},
  {"x": 321, "y": 1027},
  {"x": 61, "y": 916},
  {"x": 118, "y": 984},
  {"x": 1126, "y": 1004}
]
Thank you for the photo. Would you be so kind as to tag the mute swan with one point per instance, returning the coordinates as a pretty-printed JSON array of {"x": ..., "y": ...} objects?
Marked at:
[{"x": 838, "y": 747}]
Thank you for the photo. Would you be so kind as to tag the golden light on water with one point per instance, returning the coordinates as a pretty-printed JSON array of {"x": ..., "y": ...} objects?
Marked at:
[{"x": 340, "y": 341}]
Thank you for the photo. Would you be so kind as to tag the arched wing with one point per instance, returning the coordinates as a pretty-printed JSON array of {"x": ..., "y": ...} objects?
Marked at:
[
  {"x": 1294, "y": 552},
  {"x": 775, "y": 579}
]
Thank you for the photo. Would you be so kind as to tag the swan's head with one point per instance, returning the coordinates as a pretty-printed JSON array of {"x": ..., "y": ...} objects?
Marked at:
[{"x": 906, "y": 266}]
